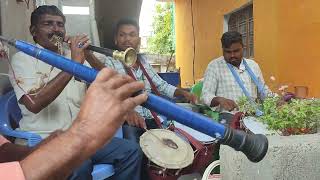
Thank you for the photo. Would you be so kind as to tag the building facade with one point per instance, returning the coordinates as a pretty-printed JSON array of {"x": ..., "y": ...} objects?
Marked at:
[{"x": 282, "y": 36}]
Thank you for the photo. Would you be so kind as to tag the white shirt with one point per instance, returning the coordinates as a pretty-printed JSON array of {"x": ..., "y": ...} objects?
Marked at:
[
  {"x": 219, "y": 81},
  {"x": 57, "y": 115}
]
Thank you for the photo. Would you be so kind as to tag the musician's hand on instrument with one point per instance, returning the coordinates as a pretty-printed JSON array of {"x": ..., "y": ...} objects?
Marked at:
[
  {"x": 78, "y": 44},
  {"x": 88, "y": 53},
  {"x": 225, "y": 103},
  {"x": 190, "y": 97},
  {"x": 107, "y": 101},
  {"x": 134, "y": 119},
  {"x": 186, "y": 95}
]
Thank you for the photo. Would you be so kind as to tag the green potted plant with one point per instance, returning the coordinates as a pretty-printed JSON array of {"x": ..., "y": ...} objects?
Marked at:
[{"x": 298, "y": 116}]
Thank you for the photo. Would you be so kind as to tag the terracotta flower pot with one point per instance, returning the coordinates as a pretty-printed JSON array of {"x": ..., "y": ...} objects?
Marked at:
[
  {"x": 301, "y": 91},
  {"x": 295, "y": 131}
]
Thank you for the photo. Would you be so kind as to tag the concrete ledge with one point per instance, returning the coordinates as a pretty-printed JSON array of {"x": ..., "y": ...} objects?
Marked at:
[{"x": 289, "y": 157}]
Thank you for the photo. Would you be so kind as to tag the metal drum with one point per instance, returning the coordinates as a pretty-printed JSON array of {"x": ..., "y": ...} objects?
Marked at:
[
  {"x": 251, "y": 125},
  {"x": 203, "y": 138}
]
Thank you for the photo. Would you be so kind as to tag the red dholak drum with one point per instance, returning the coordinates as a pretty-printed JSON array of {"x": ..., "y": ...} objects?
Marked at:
[{"x": 168, "y": 153}]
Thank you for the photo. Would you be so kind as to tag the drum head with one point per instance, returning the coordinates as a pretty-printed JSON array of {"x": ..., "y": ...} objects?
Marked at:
[
  {"x": 203, "y": 138},
  {"x": 166, "y": 149},
  {"x": 255, "y": 126}
]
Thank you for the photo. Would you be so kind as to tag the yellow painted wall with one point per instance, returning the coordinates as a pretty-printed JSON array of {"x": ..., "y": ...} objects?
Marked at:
[
  {"x": 208, "y": 18},
  {"x": 299, "y": 46},
  {"x": 286, "y": 34}
]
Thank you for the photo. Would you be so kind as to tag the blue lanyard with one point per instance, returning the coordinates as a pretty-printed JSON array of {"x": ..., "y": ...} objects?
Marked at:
[
  {"x": 258, "y": 83},
  {"x": 245, "y": 91}
]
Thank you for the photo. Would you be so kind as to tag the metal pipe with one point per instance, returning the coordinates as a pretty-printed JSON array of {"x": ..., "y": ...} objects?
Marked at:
[
  {"x": 128, "y": 57},
  {"x": 253, "y": 146}
]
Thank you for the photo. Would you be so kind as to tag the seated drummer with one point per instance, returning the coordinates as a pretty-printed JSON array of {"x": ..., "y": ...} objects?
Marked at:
[
  {"x": 126, "y": 36},
  {"x": 220, "y": 86}
]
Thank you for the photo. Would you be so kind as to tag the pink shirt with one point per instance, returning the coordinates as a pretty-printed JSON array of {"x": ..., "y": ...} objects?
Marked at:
[
  {"x": 3, "y": 140},
  {"x": 10, "y": 170}
]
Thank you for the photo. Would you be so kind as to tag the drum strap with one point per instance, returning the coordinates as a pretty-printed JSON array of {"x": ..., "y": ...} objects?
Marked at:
[
  {"x": 244, "y": 90},
  {"x": 197, "y": 144},
  {"x": 253, "y": 77},
  {"x": 258, "y": 83},
  {"x": 153, "y": 87}
]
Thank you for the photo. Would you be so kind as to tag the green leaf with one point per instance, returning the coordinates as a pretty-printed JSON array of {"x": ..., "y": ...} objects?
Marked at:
[
  {"x": 299, "y": 113},
  {"x": 162, "y": 40}
]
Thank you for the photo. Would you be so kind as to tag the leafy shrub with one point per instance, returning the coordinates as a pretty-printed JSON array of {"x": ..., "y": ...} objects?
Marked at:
[{"x": 299, "y": 116}]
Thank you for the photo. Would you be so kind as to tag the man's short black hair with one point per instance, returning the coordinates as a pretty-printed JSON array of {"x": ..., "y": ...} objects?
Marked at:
[
  {"x": 228, "y": 38},
  {"x": 126, "y": 21},
  {"x": 45, "y": 9}
]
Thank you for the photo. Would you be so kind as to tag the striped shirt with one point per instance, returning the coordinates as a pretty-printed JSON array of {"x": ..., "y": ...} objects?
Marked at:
[
  {"x": 163, "y": 87},
  {"x": 219, "y": 81}
]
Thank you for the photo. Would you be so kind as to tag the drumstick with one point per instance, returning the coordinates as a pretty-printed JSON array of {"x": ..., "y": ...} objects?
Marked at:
[{"x": 253, "y": 146}]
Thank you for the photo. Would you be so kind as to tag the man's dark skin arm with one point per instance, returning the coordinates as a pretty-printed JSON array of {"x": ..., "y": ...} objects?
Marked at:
[
  {"x": 225, "y": 103},
  {"x": 132, "y": 118},
  {"x": 59, "y": 156},
  {"x": 14, "y": 152},
  {"x": 93, "y": 60},
  {"x": 188, "y": 96},
  {"x": 46, "y": 95},
  {"x": 68, "y": 144}
]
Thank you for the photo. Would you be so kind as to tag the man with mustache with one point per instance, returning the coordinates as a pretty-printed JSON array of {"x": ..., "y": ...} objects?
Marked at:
[
  {"x": 220, "y": 87},
  {"x": 127, "y": 36},
  {"x": 61, "y": 152},
  {"x": 50, "y": 99}
]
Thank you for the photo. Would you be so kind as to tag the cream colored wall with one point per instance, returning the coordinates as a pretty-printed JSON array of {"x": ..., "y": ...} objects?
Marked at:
[{"x": 15, "y": 18}]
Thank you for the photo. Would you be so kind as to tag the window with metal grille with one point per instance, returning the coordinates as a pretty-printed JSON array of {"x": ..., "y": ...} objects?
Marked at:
[{"x": 242, "y": 21}]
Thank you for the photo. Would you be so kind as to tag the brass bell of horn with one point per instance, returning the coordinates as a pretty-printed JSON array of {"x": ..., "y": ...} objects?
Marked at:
[{"x": 128, "y": 57}]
